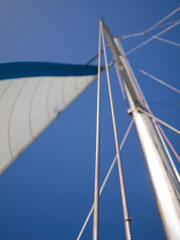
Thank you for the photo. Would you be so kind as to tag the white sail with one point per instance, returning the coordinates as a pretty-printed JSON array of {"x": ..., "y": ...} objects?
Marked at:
[{"x": 30, "y": 101}]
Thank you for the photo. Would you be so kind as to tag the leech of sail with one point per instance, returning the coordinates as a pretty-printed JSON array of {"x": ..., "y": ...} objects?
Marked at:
[{"x": 33, "y": 94}]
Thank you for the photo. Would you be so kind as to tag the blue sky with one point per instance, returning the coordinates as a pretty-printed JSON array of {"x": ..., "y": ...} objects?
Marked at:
[{"x": 48, "y": 191}]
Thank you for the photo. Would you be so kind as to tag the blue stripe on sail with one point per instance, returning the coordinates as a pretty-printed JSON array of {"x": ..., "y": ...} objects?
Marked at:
[{"x": 40, "y": 69}]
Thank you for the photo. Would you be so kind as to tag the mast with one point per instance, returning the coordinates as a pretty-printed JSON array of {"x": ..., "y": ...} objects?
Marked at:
[{"x": 162, "y": 171}]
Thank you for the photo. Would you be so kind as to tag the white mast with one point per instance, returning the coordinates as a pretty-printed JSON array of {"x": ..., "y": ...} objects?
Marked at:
[{"x": 163, "y": 174}]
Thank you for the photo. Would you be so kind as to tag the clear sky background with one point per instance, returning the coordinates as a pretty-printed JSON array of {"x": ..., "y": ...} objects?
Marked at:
[{"x": 48, "y": 191}]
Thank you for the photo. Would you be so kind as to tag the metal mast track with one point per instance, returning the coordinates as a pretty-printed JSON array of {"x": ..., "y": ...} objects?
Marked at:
[{"x": 163, "y": 174}]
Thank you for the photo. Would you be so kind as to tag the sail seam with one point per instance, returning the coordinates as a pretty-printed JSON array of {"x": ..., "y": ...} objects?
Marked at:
[
  {"x": 11, "y": 114},
  {"x": 62, "y": 93},
  {"x": 48, "y": 97},
  {"x": 30, "y": 106},
  {"x": 5, "y": 90}
]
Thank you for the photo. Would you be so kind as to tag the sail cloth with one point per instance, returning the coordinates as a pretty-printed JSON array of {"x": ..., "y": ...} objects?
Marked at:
[{"x": 32, "y": 95}]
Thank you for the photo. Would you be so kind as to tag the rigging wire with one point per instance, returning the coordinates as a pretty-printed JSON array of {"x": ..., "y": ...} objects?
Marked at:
[
  {"x": 155, "y": 37},
  {"x": 164, "y": 135},
  {"x": 159, "y": 81},
  {"x": 127, "y": 219},
  {"x": 152, "y": 28},
  {"x": 161, "y": 130},
  {"x": 163, "y": 19},
  {"x": 106, "y": 178},
  {"x": 168, "y": 142},
  {"x": 168, "y": 41},
  {"x": 159, "y": 120},
  {"x": 145, "y": 32},
  {"x": 156, "y": 25},
  {"x": 165, "y": 104},
  {"x": 97, "y": 165},
  {"x": 93, "y": 58},
  {"x": 152, "y": 38},
  {"x": 142, "y": 34}
]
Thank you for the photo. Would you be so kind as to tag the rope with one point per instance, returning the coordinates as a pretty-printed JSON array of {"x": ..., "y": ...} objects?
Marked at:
[
  {"x": 158, "y": 80},
  {"x": 93, "y": 58},
  {"x": 97, "y": 166},
  {"x": 153, "y": 37},
  {"x": 106, "y": 179},
  {"x": 122, "y": 184}
]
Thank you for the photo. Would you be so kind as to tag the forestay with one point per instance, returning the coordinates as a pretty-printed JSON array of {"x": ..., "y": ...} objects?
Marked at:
[{"x": 32, "y": 95}]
